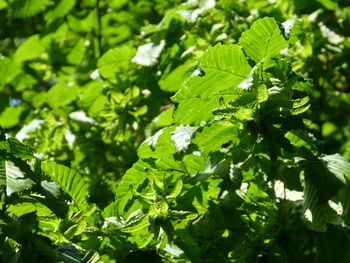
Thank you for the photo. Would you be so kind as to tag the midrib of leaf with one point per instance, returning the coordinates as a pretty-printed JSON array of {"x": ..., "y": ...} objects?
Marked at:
[
  {"x": 226, "y": 71},
  {"x": 268, "y": 43}
]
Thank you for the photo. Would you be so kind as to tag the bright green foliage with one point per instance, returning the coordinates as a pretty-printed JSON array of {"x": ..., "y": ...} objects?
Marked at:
[
  {"x": 70, "y": 181},
  {"x": 263, "y": 40},
  {"x": 27, "y": 8},
  {"x": 173, "y": 131}
]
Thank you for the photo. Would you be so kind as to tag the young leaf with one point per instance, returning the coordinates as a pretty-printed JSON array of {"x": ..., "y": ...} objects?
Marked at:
[{"x": 263, "y": 40}]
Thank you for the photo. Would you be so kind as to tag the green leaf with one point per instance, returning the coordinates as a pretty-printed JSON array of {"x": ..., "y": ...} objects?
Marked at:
[
  {"x": 75, "y": 229},
  {"x": 212, "y": 137},
  {"x": 300, "y": 105},
  {"x": 225, "y": 67},
  {"x": 30, "y": 49},
  {"x": 115, "y": 60},
  {"x": 313, "y": 209},
  {"x": 16, "y": 148},
  {"x": 15, "y": 175},
  {"x": 11, "y": 116},
  {"x": 339, "y": 166},
  {"x": 177, "y": 189},
  {"x": 70, "y": 181},
  {"x": 263, "y": 94},
  {"x": 133, "y": 177},
  {"x": 193, "y": 111},
  {"x": 76, "y": 55},
  {"x": 28, "y": 205},
  {"x": 328, "y": 174},
  {"x": 60, "y": 95},
  {"x": 226, "y": 59},
  {"x": 239, "y": 113},
  {"x": 175, "y": 80},
  {"x": 187, "y": 215},
  {"x": 60, "y": 10},
  {"x": 263, "y": 40},
  {"x": 140, "y": 223},
  {"x": 68, "y": 254},
  {"x": 27, "y": 8},
  {"x": 8, "y": 70},
  {"x": 182, "y": 136}
]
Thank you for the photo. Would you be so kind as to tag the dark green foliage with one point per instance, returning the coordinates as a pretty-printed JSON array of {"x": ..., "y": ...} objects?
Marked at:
[{"x": 172, "y": 131}]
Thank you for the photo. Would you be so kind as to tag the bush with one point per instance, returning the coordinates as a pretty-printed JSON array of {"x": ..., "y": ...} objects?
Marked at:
[{"x": 171, "y": 131}]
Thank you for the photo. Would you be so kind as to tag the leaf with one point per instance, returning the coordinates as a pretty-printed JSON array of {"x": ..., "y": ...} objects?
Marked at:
[
  {"x": 30, "y": 49},
  {"x": 52, "y": 188},
  {"x": 70, "y": 181},
  {"x": 15, "y": 175},
  {"x": 182, "y": 136},
  {"x": 226, "y": 58},
  {"x": 187, "y": 215},
  {"x": 137, "y": 225},
  {"x": 300, "y": 105},
  {"x": 60, "y": 95},
  {"x": 211, "y": 167},
  {"x": 133, "y": 177},
  {"x": 152, "y": 141},
  {"x": 328, "y": 4},
  {"x": 68, "y": 254},
  {"x": 213, "y": 136},
  {"x": 147, "y": 54},
  {"x": 76, "y": 55},
  {"x": 346, "y": 205},
  {"x": 193, "y": 111},
  {"x": 177, "y": 190},
  {"x": 239, "y": 113},
  {"x": 94, "y": 258},
  {"x": 8, "y": 71},
  {"x": 60, "y": 10},
  {"x": 339, "y": 166},
  {"x": 262, "y": 94},
  {"x": 175, "y": 80},
  {"x": 27, "y": 8},
  {"x": 263, "y": 40},
  {"x": 17, "y": 149},
  {"x": 313, "y": 210},
  {"x": 115, "y": 60},
  {"x": 75, "y": 229},
  {"x": 11, "y": 116},
  {"x": 225, "y": 66},
  {"x": 328, "y": 174},
  {"x": 191, "y": 15}
]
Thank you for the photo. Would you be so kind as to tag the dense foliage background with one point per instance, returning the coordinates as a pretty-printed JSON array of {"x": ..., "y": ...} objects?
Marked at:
[{"x": 172, "y": 131}]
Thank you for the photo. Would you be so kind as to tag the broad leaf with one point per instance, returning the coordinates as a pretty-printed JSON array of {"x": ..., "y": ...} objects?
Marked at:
[
  {"x": 263, "y": 40},
  {"x": 70, "y": 181},
  {"x": 27, "y": 8},
  {"x": 15, "y": 175},
  {"x": 115, "y": 60},
  {"x": 225, "y": 66},
  {"x": 30, "y": 49}
]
